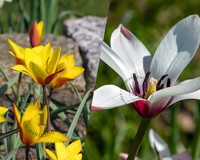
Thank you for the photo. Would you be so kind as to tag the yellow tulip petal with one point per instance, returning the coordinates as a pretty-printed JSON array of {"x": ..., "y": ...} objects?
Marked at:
[
  {"x": 53, "y": 60},
  {"x": 72, "y": 73},
  {"x": 67, "y": 59},
  {"x": 69, "y": 152},
  {"x": 74, "y": 148},
  {"x": 36, "y": 115},
  {"x": 31, "y": 132},
  {"x": 18, "y": 51},
  {"x": 45, "y": 53},
  {"x": 78, "y": 157},
  {"x": 53, "y": 136},
  {"x": 37, "y": 73},
  {"x": 2, "y": 119},
  {"x": 61, "y": 151},
  {"x": 21, "y": 68},
  {"x": 32, "y": 57},
  {"x": 40, "y": 27},
  {"x": 16, "y": 114},
  {"x": 3, "y": 110},
  {"x": 51, "y": 154}
]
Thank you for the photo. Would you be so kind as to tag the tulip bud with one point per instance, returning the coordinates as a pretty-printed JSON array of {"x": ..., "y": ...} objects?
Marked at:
[{"x": 36, "y": 33}]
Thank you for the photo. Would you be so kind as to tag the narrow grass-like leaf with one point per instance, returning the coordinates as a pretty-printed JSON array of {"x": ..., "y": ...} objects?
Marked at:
[
  {"x": 75, "y": 90},
  {"x": 6, "y": 139},
  {"x": 8, "y": 79},
  {"x": 8, "y": 133},
  {"x": 51, "y": 14},
  {"x": 42, "y": 10},
  {"x": 33, "y": 11},
  {"x": 25, "y": 99},
  {"x": 13, "y": 152},
  {"x": 40, "y": 150},
  {"x": 5, "y": 87},
  {"x": 78, "y": 113}
]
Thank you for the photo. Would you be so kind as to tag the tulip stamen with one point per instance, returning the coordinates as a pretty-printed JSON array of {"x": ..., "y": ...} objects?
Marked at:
[
  {"x": 137, "y": 89},
  {"x": 145, "y": 83},
  {"x": 159, "y": 85}
]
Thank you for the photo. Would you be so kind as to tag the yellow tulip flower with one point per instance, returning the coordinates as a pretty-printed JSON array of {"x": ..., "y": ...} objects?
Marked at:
[
  {"x": 32, "y": 124},
  {"x": 18, "y": 52},
  {"x": 36, "y": 33},
  {"x": 40, "y": 63},
  {"x": 69, "y": 73},
  {"x": 2, "y": 111},
  {"x": 71, "y": 152}
]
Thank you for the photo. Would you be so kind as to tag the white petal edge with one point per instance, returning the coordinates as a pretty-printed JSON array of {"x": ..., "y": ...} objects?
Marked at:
[
  {"x": 114, "y": 61},
  {"x": 185, "y": 87},
  {"x": 177, "y": 49},
  {"x": 111, "y": 96},
  {"x": 133, "y": 54},
  {"x": 193, "y": 95}
]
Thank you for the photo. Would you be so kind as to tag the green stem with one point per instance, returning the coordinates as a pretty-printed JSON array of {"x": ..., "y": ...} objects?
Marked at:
[
  {"x": 27, "y": 151},
  {"x": 47, "y": 101},
  {"x": 196, "y": 146},
  {"x": 174, "y": 126},
  {"x": 133, "y": 150},
  {"x": 18, "y": 87}
]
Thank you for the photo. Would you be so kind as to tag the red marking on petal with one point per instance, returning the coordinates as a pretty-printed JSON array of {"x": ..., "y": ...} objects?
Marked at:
[
  {"x": 125, "y": 32},
  {"x": 96, "y": 108}
]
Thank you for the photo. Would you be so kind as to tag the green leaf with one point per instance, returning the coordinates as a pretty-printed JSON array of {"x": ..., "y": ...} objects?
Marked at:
[{"x": 78, "y": 113}]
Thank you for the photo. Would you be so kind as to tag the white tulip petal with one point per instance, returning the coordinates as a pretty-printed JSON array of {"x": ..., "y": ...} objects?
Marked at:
[
  {"x": 193, "y": 95},
  {"x": 185, "y": 87},
  {"x": 111, "y": 96},
  {"x": 131, "y": 51},
  {"x": 114, "y": 61},
  {"x": 177, "y": 49}
]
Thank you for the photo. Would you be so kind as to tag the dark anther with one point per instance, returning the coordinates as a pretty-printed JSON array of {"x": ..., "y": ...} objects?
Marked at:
[
  {"x": 145, "y": 83},
  {"x": 161, "y": 86},
  {"x": 158, "y": 86},
  {"x": 168, "y": 82},
  {"x": 137, "y": 89}
]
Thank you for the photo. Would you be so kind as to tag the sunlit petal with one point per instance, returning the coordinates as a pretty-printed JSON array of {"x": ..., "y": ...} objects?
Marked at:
[
  {"x": 185, "y": 87},
  {"x": 110, "y": 96},
  {"x": 131, "y": 51},
  {"x": 177, "y": 49},
  {"x": 51, "y": 154},
  {"x": 192, "y": 95},
  {"x": 53, "y": 136},
  {"x": 114, "y": 61}
]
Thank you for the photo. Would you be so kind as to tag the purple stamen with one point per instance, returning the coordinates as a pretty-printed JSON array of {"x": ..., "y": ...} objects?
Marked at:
[
  {"x": 158, "y": 86},
  {"x": 137, "y": 89},
  {"x": 145, "y": 83},
  {"x": 168, "y": 82}
]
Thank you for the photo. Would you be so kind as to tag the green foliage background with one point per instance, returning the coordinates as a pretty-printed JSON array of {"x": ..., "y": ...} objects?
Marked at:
[{"x": 112, "y": 131}]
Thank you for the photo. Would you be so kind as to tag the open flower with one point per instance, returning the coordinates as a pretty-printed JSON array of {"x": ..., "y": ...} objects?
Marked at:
[
  {"x": 2, "y": 111},
  {"x": 40, "y": 63},
  {"x": 71, "y": 152},
  {"x": 151, "y": 83},
  {"x": 32, "y": 124},
  {"x": 69, "y": 73},
  {"x": 36, "y": 33}
]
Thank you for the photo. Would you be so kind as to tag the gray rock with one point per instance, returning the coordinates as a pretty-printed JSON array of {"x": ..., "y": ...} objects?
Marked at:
[{"x": 88, "y": 33}]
